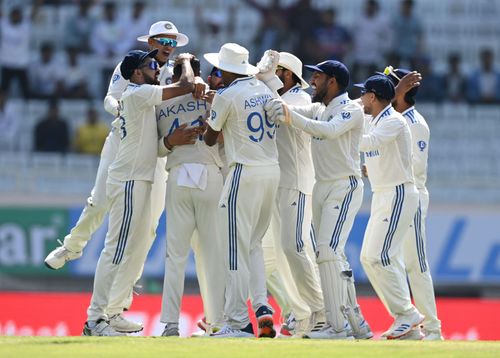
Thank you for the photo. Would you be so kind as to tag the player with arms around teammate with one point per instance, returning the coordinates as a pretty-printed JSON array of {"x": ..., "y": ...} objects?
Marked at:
[
  {"x": 193, "y": 191},
  {"x": 129, "y": 188},
  {"x": 414, "y": 247},
  {"x": 163, "y": 35},
  {"x": 250, "y": 188},
  {"x": 336, "y": 124},
  {"x": 387, "y": 147}
]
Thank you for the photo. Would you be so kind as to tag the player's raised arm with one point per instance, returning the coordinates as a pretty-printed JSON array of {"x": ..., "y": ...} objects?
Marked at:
[{"x": 187, "y": 82}]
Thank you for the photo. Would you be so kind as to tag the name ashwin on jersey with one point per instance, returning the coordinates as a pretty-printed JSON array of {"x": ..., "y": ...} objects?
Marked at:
[
  {"x": 182, "y": 108},
  {"x": 257, "y": 101}
]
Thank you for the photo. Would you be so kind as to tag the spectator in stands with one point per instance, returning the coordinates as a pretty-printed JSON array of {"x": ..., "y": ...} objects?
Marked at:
[
  {"x": 408, "y": 34},
  {"x": 91, "y": 135},
  {"x": 135, "y": 24},
  {"x": 332, "y": 41},
  {"x": 45, "y": 73},
  {"x": 431, "y": 89},
  {"x": 302, "y": 18},
  {"x": 372, "y": 38},
  {"x": 454, "y": 80},
  {"x": 74, "y": 82},
  {"x": 79, "y": 26},
  {"x": 51, "y": 132},
  {"x": 9, "y": 123},
  {"x": 15, "y": 45},
  {"x": 483, "y": 86}
]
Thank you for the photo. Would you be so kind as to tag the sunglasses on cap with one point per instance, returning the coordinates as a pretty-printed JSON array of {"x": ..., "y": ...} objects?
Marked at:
[
  {"x": 153, "y": 65},
  {"x": 165, "y": 41}
]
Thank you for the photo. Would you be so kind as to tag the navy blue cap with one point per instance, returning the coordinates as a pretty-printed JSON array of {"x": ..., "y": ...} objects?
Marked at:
[
  {"x": 334, "y": 69},
  {"x": 400, "y": 73},
  {"x": 381, "y": 85},
  {"x": 133, "y": 60}
]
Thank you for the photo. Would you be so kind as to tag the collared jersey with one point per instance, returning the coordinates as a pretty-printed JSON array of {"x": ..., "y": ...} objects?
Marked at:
[
  {"x": 137, "y": 153},
  {"x": 420, "y": 136},
  {"x": 238, "y": 110},
  {"x": 387, "y": 149},
  {"x": 336, "y": 131},
  {"x": 171, "y": 114},
  {"x": 294, "y": 148}
]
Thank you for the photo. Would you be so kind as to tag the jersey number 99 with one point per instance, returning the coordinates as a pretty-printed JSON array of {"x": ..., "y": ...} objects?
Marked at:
[{"x": 260, "y": 126}]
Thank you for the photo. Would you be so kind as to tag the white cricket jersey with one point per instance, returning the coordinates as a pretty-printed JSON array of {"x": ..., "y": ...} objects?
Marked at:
[
  {"x": 387, "y": 150},
  {"x": 137, "y": 153},
  {"x": 336, "y": 131},
  {"x": 294, "y": 148},
  {"x": 171, "y": 114},
  {"x": 238, "y": 110},
  {"x": 118, "y": 84},
  {"x": 420, "y": 136}
]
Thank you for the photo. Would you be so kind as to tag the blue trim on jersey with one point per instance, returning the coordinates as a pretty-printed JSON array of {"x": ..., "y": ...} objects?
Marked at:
[
  {"x": 312, "y": 234},
  {"x": 233, "y": 83},
  {"x": 419, "y": 240},
  {"x": 334, "y": 242},
  {"x": 387, "y": 112},
  {"x": 393, "y": 224},
  {"x": 299, "y": 243},
  {"x": 295, "y": 89},
  {"x": 233, "y": 229},
  {"x": 411, "y": 116},
  {"x": 126, "y": 220}
]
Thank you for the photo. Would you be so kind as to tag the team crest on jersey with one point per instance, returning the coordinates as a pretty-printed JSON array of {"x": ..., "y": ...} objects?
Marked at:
[
  {"x": 421, "y": 145},
  {"x": 168, "y": 81},
  {"x": 116, "y": 77},
  {"x": 213, "y": 115},
  {"x": 345, "y": 116}
]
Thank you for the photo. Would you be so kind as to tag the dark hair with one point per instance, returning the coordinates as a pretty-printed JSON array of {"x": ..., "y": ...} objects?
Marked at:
[
  {"x": 195, "y": 65},
  {"x": 296, "y": 78}
]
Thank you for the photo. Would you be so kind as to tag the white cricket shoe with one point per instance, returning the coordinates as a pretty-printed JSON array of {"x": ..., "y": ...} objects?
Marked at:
[
  {"x": 403, "y": 324},
  {"x": 432, "y": 335},
  {"x": 121, "y": 324},
  {"x": 364, "y": 331},
  {"x": 101, "y": 328},
  {"x": 414, "y": 335},
  {"x": 328, "y": 332},
  {"x": 287, "y": 328},
  {"x": 318, "y": 320},
  {"x": 59, "y": 256},
  {"x": 171, "y": 330},
  {"x": 228, "y": 332},
  {"x": 302, "y": 327}
]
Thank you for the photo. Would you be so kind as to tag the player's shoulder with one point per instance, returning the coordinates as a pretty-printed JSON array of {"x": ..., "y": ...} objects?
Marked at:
[{"x": 351, "y": 110}]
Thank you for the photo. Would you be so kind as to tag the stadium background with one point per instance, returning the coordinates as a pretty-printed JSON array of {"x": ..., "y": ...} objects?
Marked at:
[{"x": 42, "y": 194}]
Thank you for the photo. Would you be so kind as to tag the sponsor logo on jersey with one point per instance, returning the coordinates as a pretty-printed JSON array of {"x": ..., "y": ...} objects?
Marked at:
[
  {"x": 372, "y": 153},
  {"x": 257, "y": 101},
  {"x": 116, "y": 77},
  {"x": 176, "y": 109},
  {"x": 345, "y": 116},
  {"x": 421, "y": 145}
]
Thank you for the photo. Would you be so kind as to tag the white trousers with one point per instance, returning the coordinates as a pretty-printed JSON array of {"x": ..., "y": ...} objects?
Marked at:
[
  {"x": 125, "y": 248},
  {"x": 417, "y": 267},
  {"x": 246, "y": 208},
  {"x": 392, "y": 213},
  {"x": 190, "y": 210}
]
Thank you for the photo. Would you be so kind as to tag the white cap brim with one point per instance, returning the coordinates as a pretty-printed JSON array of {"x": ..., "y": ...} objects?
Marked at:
[
  {"x": 241, "y": 69},
  {"x": 303, "y": 82}
]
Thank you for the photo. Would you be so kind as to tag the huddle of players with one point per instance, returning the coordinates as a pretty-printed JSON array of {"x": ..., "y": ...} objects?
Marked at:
[{"x": 262, "y": 120}]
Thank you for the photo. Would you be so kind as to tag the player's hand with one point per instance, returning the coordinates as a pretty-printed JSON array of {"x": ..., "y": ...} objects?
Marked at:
[
  {"x": 198, "y": 87},
  {"x": 267, "y": 65},
  {"x": 183, "y": 57},
  {"x": 209, "y": 96},
  {"x": 275, "y": 110},
  {"x": 406, "y": 83},
  {"x": 181, "y": 136},
  {"x": 364, "y": 170}
]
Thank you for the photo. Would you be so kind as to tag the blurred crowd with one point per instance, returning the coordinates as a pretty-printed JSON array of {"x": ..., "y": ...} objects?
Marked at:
[{"x": 104, "y": 31}]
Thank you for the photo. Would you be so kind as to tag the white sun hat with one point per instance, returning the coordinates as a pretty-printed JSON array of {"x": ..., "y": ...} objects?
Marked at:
[
  {"x": 165, "y": 28},
  {"x": 292, "y": 63},
  {"x": 232, "y": 58}
]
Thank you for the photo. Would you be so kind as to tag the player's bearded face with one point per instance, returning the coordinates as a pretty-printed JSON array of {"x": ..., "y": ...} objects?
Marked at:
[{"x": 320, "y": 86}]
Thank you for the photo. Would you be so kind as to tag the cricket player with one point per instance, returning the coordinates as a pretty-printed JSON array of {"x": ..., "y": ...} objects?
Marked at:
[
  {"x": 250, "y": 188},
  {"x": 193, "y": 191},
  {"x": 164, "y": 36},
  {"x": 414, "y": 247},
  {"x": 294, "y": 210},
  {"x": 129, "y": 182},
  {"x": 336, "y": 124},
  {"x": 387, "y": 147}
]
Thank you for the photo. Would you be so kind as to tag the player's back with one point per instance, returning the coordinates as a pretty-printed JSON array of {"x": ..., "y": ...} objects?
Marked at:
[
  {"x": 420, "y": 135},
  {"x": 249, "y": 136},
  {"x": 186, "y": 109}
]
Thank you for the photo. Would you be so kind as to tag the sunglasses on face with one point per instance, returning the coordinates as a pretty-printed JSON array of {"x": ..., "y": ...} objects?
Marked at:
[
  {"x": 153, "y": 65},
  {"x": 217, "y": 73},
  {"x": 165, "y": 41}
]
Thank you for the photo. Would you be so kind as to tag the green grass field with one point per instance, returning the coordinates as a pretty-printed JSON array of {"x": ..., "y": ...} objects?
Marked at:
[{"x": 221, "y": 348}]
